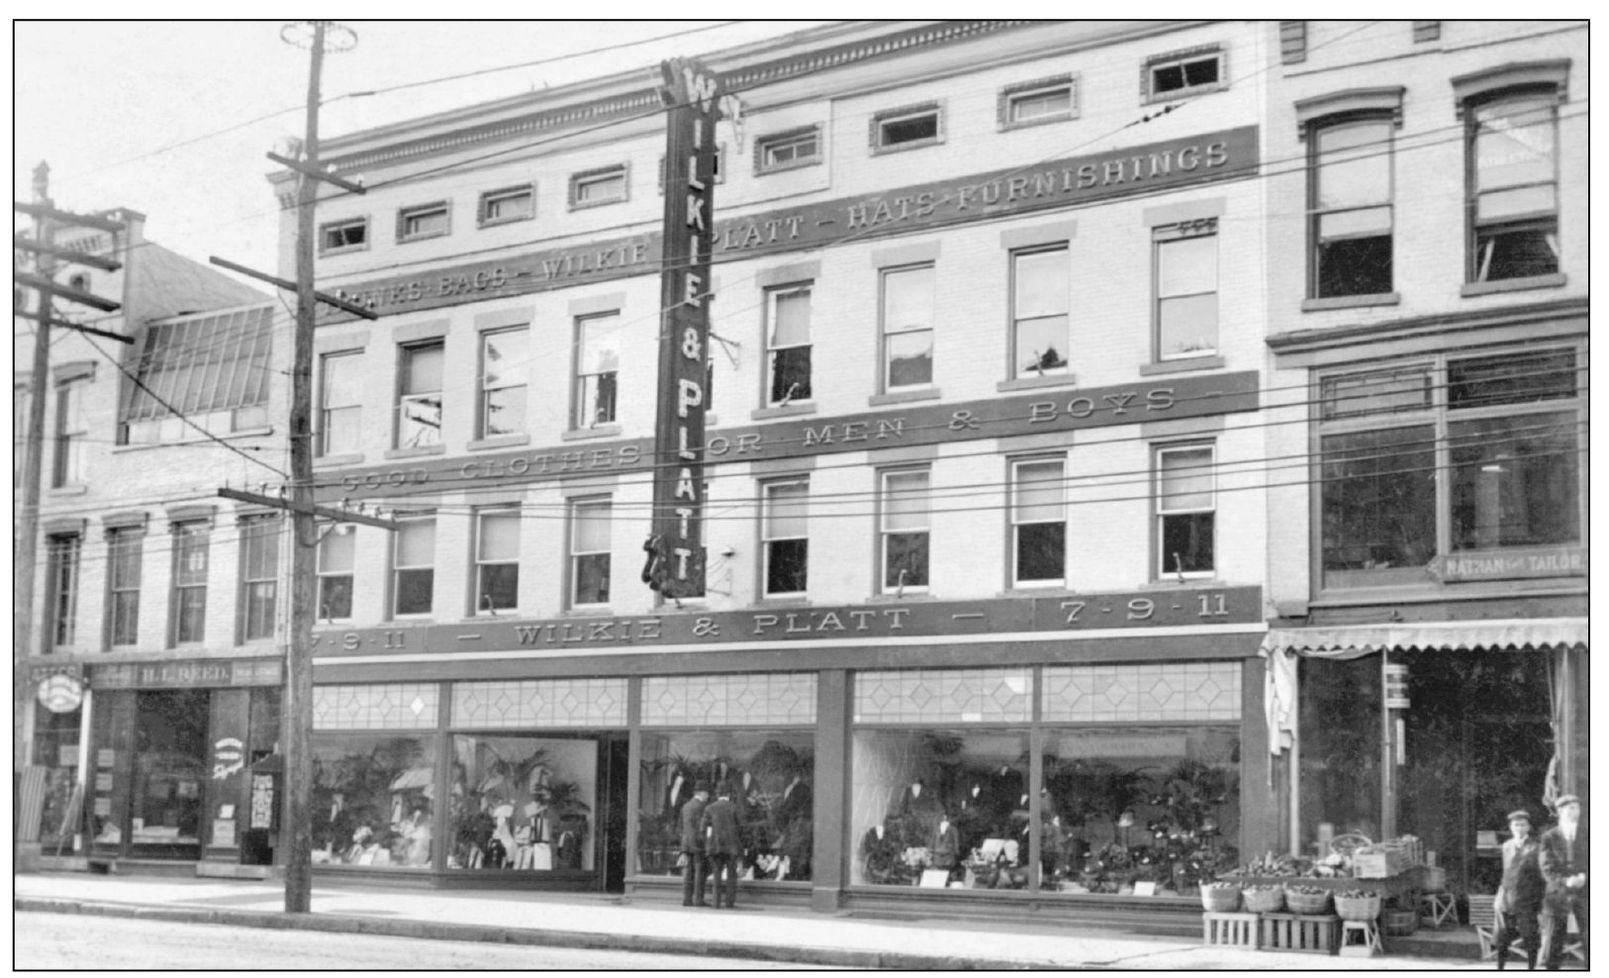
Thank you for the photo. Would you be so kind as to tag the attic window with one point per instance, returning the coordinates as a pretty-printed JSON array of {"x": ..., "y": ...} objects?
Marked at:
[
  {"x": 907, "y": 128},
  {"x": 1184, "y": 73}
]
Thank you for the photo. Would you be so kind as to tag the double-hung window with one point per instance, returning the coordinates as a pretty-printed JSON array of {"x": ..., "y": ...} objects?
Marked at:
[
  {"x": 497, "y": 560},
  {"x": 340, "y": 403},
  {"x": 1350, "y": 208},
  {"x": 1513, "y": 186},
  {"x": 1039, "y": 312},
  {"x": 784, "y": 536},
  {"x": 62, "y": 551},
  {"x": 1035, "y": 102},
  {"x": 1038, "y": 523},
  {"x": 589, "y": 551},
  {"x": 1186, "y": 289},
  {"x": 787, "y": 313},
  {"x": 503, "y": 372},
  {"x": 905, "y": 530},
  {"x": 419, "y": 398},
  {"x": 72, "y": 432},
  {"x": 125, "y": 546},
  {"x": 336, "y": 552},
  {"x": 597, "y": 341},
  {"x": 190, "y": 545},
  {"x": 1186, "y": 508},
  {"x": 413, "y": 563},
  {"x": 907, "y": 306},
  {"x": 259, "y": 576}
]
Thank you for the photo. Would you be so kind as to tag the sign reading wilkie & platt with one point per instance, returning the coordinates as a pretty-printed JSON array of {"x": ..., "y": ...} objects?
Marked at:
[
  {"x": 1004, "y": 417},
  {"x": 1150, "y": 168},
  {"x": 1050, "y": 614}
]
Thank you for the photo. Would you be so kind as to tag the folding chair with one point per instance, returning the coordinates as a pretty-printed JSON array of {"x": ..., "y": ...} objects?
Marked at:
[{"x": 1483, "y": 917}]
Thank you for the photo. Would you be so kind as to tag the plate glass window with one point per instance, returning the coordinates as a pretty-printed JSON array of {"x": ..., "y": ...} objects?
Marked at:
[
  {"x": 413, "y": 584},
  {"x": 1186, "y": 510},
  {"x": 62, "y": 552},
  {"x": 497, "y": 560},
  {"x": 336, "y": 553},
  {"x": 340, "y": 404},
  {"x": 124, "y": 549},
  {"x": 419, "y": 404},
  {"x": 72, "y": 432},
  {"x": 597, "y": 370},
  {"x": 259, "y": 579},
  {"x": 1351, "y": 222},
  {"x": 908, "y": 327},
  {"x": 1038, "y": 523},
  {"x": 589, "y": 551},
  {"x": 1187, "y": 290},
  {"x": 788, "y": 315},
  {"x": 785, "y": 540},
  {"x": 427, "y": 221},
  {"x": 190, "y": 546},
  {"x": 1039, "y": 310},
  {"x": 905, "y": 531},
  {"x": 504, "y": 364},
  {"x": 1514, "y": 193}
]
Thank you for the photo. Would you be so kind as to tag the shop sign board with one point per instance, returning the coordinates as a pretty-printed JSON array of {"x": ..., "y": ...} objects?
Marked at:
[
  {"x": 1049, "y": 615},
  {"x": 1510, "y": 564},
  {"x": 1150, "y": 168},
  {"x": 1004, "y": 417},
  {"x": 187, "y": 674},
  {"x": 1396, "y": 686}
]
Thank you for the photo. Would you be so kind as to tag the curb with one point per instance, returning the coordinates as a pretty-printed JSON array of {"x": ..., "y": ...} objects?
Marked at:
[{"x": 585, "y": 940}]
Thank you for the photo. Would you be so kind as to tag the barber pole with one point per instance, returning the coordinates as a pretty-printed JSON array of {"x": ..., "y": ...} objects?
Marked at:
[{"x": 675, "y": 561}]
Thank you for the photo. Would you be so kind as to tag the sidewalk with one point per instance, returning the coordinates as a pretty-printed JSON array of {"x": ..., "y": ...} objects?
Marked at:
[{"x": 606, "y": 921}]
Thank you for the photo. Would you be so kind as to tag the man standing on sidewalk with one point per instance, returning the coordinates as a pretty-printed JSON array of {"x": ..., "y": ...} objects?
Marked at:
[
  {"x": 1519, "y": 897},
  {"x": 723, "y": 845},
  {"x": 693, "y": 868},
  {"x": 1564, "y": 866}
]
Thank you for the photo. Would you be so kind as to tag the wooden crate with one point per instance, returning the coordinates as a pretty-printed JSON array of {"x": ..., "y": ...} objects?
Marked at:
[
  {"x": 1300, "y": 932},
  {"x": 1229, "y": 929}
]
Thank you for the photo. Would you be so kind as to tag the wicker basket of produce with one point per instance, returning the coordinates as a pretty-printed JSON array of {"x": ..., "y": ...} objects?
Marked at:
[
  {"x": 1223, "y": 897},
  {"x": 1310, "y": 901},
  {"x": 1357, "y": 905},
  {"x": 1264, "y": 898}
]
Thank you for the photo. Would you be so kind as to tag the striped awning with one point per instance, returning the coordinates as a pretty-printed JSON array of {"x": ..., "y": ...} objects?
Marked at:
[{"x": 1351, "y": 641}]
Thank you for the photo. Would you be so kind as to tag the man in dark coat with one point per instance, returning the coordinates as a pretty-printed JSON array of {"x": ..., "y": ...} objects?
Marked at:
[
  {"x": 723, "y": 845},
  {"x": 1563, "y": 859},
  {"x": 693, "y": 868},
  {"x": 1519, "y": 897}
]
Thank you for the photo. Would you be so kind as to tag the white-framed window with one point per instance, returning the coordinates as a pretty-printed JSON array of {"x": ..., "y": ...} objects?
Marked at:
[
  {"x": 497, "y": 560},
  {"x": 1036, "y": 102},
  {"x": 593, "y": 188},
  {"x": 905, "y": 530},
  {"x": 340, "y": 403},
  {"x": 424, "y": 221},
  {"x": 62, "y": 559},
  {"x": 784, "y": 536},
  {"x": 337, "y": 552},
  {"x": 787, "y": 315},
  {"x": 786, "y": 150},
  {"x": 1186, "y": 312},
  {"x": 125, "y": 546},
  {"x": 413, "y": 565},
  {"x": 72, "y": 433},
  {"x": 350, "y": 234},
  {"x": 1513, "y": 185},
  {"x": 589, "y": 551},
  {"x": 1040, "y": 300},
  {"x": 597, "y": 370},
  {"x": 907, "y": 127},
  {"x": 191, "y": 541},
  {"x": 506, "y": 205},
  {"x": 419, "y": 396},
  {"x": 1350, "y": 207},
  {"x": 1038, "y": 523},
  {"x": 907, "y": 313},
  {"x": 504, "y": 369},
  {"x": 1186, "y": 511},
  {"x": 259, "y": 576},
  {"x": 1183, "y": 73}
]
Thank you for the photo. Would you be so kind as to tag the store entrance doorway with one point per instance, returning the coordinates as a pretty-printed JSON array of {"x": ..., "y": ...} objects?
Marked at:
[{"x": 170, "y": 773}]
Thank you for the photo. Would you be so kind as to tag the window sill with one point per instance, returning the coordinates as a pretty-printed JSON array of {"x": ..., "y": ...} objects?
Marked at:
[
  {"x": 1152, "y": 98},
  {"x": 784, "y": 410},
  {"x": 410, "y": 239},
  {"x": 1042, "y": 121},
  {"x": 72, "y": 490},
  {"x": 783, "y": 601},
  {"x": 1352, "y": 301},
  {"x": 498, "y": 441},
  {"x": 1192, "y": 579},
  {"x": 785, "y": 167},
  {"x": 1033, "y": 383},
  {"x": 499, "y": 222},
  {"x": 348, "y": 250},
  {"x": 583, "y": 205},
  {"x": 196, "y": 439},
  {"x": 582, "y": 434},
  {"x": 1554, "y": 281},
  {"x": 902, "y": 397},
  {"x": 1181, "y": 366},
  {"x": 911, "y": 594},
  {"x": 416, "y": 452},
  {"x": 336, "y": 461},
  {"x": 902, "y": 147}
]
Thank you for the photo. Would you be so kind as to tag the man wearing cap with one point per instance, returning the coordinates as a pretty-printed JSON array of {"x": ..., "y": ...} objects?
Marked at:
[
  {"x": 693, "y": 870},
  {"x": 1519, "y": 897},
  {"x": 1564, "y": 866}
]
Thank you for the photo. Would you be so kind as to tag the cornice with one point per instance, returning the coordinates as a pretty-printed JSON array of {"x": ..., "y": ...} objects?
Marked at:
[{"x": 1326, "y": 338}]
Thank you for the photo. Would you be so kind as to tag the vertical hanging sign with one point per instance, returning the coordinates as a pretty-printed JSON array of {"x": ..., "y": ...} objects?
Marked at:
[{"x": 675, "y": 563}]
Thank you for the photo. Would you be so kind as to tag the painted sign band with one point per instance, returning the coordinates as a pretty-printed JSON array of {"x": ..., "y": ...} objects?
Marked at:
[{"x": 187, "y": 673}]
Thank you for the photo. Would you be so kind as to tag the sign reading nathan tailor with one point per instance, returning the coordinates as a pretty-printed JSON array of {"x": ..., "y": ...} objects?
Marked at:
[{"x": 1145, "y": 169}]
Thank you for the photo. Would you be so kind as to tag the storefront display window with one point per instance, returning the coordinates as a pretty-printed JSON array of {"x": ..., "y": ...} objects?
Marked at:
[
  {"x": 1339, "y": 717},
  {"x": 170, "y": 768},
  {"x": 770, "y": 774},
  {"x": 372, "y": 799},
  {"x": 522, "y": 803},
  {"x": 56, "y": 750}
]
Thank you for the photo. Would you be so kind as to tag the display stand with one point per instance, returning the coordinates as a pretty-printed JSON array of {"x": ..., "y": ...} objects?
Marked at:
[
  {"x": 1229, "y": 929},
  {"x": 1367, "y": 943},
  {"x": 1300, "y": 932}
]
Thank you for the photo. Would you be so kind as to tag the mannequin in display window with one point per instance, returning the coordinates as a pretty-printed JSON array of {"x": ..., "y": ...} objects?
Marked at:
[
  {"x": 881, "y": 847},
  {"x": 945, "y": 843},
  {"x": 921, "y": 809},
  {"x": 1006, "y": 790}
]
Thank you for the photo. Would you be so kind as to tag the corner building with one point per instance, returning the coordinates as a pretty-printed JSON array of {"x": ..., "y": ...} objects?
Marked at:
[
  {"x": 1429, "y": 658},
  {"x": 985, "y": 530}
]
